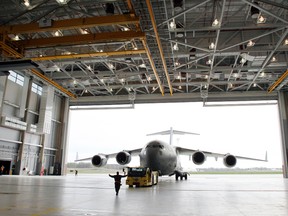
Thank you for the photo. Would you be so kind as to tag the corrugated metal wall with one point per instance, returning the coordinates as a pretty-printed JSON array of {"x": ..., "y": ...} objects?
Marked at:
[{"x": 28, "y": 150}]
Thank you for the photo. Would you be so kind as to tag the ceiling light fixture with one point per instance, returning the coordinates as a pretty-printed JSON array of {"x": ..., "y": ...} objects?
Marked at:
[
  {"x": 250, "y": 43},
  {"x": 111, "y": 66},
  {"x": 142, "y": 65},
  {"x": 273, "y": 59},
  {"x": 62, "y": 2},
  {"x": 261, "y": 20},
  {"x": 212, "y": 45},
  {"x": 16, "y": 38},
  {"x": 84, "y": 31},
  {"x": 177, "y": 63},
  {"x": 57, "y": 33},
  {"x": 209, "y": 62},
  {"x": 215, "y": 23},
  {"x": 286, "y": 42},
  {"x": 172, "y": 24},
  {"x": 27, "y": 3},
  {"x": 125, "y": 28},
  {"x": 243, "y": 60},
  {"x": 175, "y": 47}
]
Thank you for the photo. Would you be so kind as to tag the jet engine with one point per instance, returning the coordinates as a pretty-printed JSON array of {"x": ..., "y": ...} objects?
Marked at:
[
  {"x": 123, "y": 158},
  {"x": 198, "y": 158},
  {"x": 99, "y": 160},
  {"x": 229, "y": 160}
]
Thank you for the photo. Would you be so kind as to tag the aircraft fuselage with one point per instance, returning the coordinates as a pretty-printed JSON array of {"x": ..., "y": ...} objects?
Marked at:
[{"x": 160, "y": 156}]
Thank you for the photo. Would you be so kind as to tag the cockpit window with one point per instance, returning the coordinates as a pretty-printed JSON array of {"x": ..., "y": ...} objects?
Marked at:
[{"x": 155, "y": 145}]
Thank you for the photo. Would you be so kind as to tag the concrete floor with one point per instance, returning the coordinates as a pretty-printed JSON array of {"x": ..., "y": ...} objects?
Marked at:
[{"x": 94, "y": 195}]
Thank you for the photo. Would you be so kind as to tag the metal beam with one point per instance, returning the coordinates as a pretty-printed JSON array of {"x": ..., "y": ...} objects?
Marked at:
[
  {"x": 81, "y": 39},
  {"x": 181, "y": 97},
  {"x": 275, "y": 84},
  {"x": 87, "y": 55},
  {"x": 70, "y": 24},
  {"x": 40, "y": 75},
  {"x": 10, "y": 50},
  {"x": 153, "y": 66},
  {"x": 150, "y": 9}
]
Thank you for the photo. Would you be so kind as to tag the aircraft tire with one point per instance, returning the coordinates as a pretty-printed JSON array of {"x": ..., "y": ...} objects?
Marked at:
[
  {"x": 185, "y": 176},
  {"x": 176, "y": 177}
]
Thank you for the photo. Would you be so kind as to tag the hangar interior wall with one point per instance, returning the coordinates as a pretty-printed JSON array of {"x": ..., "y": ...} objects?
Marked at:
[
  {"x": 283, "y": 114},
  {"x": 31, "y": 127}
]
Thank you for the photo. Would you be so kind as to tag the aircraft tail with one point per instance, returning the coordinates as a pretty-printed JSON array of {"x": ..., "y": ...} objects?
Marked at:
[
  {"x": 171, "y": 132},
  {"x": 168, "y": 132}
]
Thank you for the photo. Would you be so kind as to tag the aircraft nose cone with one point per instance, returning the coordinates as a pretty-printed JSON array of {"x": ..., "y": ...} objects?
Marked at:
[{"x": 154, "y": 154}]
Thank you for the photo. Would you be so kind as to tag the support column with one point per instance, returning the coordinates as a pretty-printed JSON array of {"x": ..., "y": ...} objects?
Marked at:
[
  {"x": 23, "y": 111},
  {"x": 61, "y": 154},
  {"x": 41, "y": 158},
  {"x": 3, "y": 83},
  {"x": 283, "y": 114}
]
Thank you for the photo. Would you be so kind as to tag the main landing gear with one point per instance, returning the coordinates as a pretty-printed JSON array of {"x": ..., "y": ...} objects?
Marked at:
[{"x": 183, "y": 175}]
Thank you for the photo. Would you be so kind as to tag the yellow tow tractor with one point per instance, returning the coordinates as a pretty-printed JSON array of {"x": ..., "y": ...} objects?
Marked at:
[{"x": 141, "y": 177}]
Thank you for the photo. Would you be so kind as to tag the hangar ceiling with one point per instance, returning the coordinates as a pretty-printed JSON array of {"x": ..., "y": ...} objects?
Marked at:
[{"x": 100, "y": 52}]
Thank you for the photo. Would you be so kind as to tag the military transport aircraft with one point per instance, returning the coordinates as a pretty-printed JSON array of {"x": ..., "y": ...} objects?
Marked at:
[{"x": 164, "y": 158}]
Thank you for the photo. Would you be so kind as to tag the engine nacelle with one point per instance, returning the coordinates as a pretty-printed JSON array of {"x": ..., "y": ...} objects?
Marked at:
[
  {"x": 198, "y": 158},
  {"x": 123, "y": 158},
  {"x": 229, "y": 160},
  {"x": 99, "y": 160}
]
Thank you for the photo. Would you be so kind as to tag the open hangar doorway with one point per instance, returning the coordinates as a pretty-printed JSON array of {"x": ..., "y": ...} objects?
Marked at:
[{"x": 7, "y": 165}]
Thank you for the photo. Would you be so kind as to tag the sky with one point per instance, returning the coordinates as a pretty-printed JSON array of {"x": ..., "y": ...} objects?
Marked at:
[{"x": 247, "y": 131}]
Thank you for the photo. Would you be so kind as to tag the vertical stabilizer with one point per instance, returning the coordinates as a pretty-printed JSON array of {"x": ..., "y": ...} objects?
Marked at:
[{"x": 171, "y": 132}]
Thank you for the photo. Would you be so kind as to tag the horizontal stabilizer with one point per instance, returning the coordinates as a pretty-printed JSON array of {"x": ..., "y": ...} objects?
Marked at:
[{"x": 168, "y": 132}]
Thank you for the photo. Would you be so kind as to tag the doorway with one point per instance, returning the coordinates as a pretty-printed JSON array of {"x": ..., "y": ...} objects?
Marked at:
[{"x": 7, "y": 166}]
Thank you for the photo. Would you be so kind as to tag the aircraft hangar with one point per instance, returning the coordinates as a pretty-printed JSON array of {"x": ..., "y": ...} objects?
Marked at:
[{"x": 58, "y": 54}]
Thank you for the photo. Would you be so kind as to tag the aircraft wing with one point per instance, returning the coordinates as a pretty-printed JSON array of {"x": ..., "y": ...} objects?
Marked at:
[
  {"x": 185, "y": 151},
  {"x": 132, "y": 152}
]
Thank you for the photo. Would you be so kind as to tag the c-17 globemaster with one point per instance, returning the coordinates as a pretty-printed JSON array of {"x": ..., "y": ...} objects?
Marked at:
[{"x": 164, "y": 158}]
